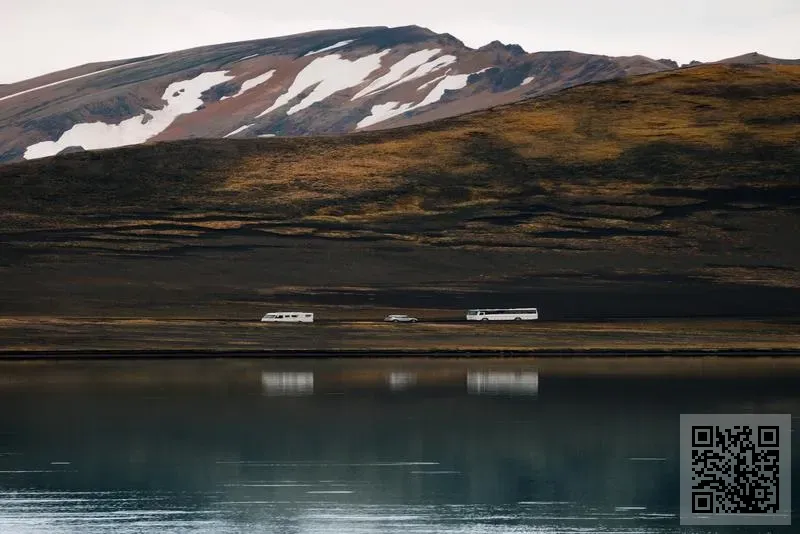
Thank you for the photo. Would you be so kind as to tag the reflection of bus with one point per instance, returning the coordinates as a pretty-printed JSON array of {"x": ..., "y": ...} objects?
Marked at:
[
  {"x": 288, "y": 383},
  {"x": 497, "y": 383},
  {"x": 400, "y": 380},
  {"x": 288, "y": 317},
  {"x": 503, "y": 314}
]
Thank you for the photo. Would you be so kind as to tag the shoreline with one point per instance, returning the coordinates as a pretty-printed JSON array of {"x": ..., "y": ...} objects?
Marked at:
[
  {"x": 153, "y": 338},
  {"x": 200, "y": 354}
]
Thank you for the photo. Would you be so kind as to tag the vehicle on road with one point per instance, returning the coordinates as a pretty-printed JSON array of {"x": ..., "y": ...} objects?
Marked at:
[
  {"x": 288, "y": 317},
  {"x": 400, "y": 319},
  {"x": 503, "y": 314}
]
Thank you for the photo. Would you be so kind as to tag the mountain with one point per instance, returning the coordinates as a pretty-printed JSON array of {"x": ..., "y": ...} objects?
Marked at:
[
  {"x": 325, "y": 82},
  {"x": 754, "y": 58},
  {"x": 673, "y": 194}
]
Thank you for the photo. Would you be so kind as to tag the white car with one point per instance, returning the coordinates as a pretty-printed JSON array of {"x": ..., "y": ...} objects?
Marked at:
[{"x": 400, "y": 319}]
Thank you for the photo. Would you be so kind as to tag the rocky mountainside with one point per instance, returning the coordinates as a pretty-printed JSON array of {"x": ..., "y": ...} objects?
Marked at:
[{"x": 325, "y": 82}]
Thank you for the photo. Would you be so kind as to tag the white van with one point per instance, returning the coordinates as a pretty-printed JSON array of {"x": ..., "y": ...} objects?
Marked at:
[{"x": 288, "y": 317}]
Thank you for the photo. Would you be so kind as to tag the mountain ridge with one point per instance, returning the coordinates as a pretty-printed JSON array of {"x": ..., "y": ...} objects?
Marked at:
[
  {"x": 314, "y": 83},
  {"x": 754, "y": 58},
  {"x": 422, "y": 72}
]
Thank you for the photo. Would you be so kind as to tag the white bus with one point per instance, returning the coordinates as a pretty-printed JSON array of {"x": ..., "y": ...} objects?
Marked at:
[
  {"x": 288, "y": 317},
  {"x": 503, "y": 314}
]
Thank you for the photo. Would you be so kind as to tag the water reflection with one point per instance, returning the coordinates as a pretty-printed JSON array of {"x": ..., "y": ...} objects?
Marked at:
[
  {"x": 399, "y": 380},
  {"x": 281, "y": 384},
  {"x": 434, "y": 446},
  {"x": 478, "y": 382},
  {"x": 499, "y": 383}
]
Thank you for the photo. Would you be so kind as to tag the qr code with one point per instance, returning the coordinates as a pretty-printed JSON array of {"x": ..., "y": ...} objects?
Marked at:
[{"x": 737, "y": 466}]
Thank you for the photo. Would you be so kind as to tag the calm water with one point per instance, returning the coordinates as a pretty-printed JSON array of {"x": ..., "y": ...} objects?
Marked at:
[{"x": 358, "y": 446}]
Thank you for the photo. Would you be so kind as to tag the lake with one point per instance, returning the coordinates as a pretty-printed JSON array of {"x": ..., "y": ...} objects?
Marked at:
[{"x": 364, "y": 446}]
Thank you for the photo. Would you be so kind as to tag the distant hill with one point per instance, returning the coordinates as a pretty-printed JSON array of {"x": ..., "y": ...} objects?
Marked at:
[
  {"x": 325, "y": 82},
  {"x": 668, "y": 194},
  {"x": 317, "y": 83},
  {"x": 754, "y": 58}
]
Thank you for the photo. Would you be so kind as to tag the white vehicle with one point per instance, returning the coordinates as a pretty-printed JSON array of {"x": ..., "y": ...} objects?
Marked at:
[
  {"x": 400, "y": 319},
  {"x": 288, "y": 317},
  {"x": 503, "y": 314}
]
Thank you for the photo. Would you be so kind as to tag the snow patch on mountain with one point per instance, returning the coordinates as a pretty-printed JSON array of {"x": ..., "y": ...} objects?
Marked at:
[
  {"x": 429, "y": 82},
  {"x": 182, "y": 97},
  {"x": 237, "y": 130},
  {"x": 70, "y": 79},
  {"x": 331, "y": 47},
  {"x": 419, "y": 72},
  {"x": 448, "y": 83},
  {"x": 246, "y": 57},
  {"x": 397, "y": 71},
  {"x": 427, "y": 68},
  {"x": 327, "y": 75},
  {"x": 252, "y": 82},
  {"x": 382, "y": 112}
]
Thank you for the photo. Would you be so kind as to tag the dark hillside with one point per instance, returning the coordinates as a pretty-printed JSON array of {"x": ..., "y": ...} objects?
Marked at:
[{"x": 671, "y": 194}]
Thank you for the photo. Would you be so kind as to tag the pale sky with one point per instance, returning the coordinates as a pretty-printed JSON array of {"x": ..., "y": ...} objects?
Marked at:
[{"x": 41, "y": 36}]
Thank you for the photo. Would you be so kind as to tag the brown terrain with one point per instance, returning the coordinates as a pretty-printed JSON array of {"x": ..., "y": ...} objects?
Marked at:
[{"x": 657, "y": 212}]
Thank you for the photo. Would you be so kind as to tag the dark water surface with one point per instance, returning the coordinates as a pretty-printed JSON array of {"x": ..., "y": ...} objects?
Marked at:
[{"x": 366, "y": 446}]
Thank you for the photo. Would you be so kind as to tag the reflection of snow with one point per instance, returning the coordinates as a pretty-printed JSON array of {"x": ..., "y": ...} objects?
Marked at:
[
  {"x": 279, "y": 384},
  {"x": 511, "y": 383},
  {"x": 182, "y": 97},
  {"x": 326, "y": 75}
]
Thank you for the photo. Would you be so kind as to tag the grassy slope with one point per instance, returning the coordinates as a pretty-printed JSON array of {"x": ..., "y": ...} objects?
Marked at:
[{"x": 667, "y": 194}]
